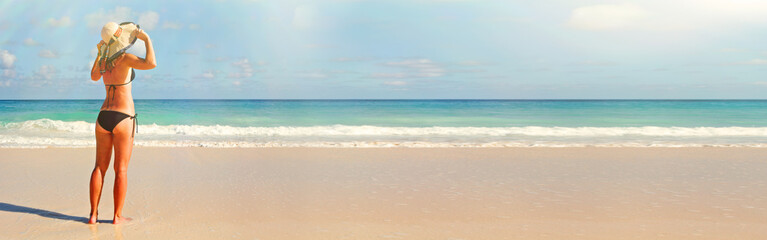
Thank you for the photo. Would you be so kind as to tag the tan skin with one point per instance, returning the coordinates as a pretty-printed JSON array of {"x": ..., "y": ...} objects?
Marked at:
[{"x": 121, "y": 137}]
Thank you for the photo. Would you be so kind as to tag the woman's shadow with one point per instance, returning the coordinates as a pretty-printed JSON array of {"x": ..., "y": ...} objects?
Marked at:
[{"x": 44, "y": 213}]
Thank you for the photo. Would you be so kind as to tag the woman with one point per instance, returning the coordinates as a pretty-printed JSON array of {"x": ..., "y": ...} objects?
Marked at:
[{"x": 112, "y": 129}]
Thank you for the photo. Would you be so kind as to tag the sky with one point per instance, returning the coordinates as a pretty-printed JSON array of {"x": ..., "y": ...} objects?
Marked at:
[{"x": 396, "y": 49}]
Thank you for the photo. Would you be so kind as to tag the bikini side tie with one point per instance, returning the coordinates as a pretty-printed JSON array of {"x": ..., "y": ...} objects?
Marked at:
[{"x": 135, "y": 124}]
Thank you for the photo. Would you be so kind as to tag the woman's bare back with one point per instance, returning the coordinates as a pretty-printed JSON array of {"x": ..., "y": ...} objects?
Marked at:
[{"x": 119, "y": 98}]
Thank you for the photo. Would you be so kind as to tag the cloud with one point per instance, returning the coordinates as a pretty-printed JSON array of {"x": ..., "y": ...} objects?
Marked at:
[
  {"x": 755, "y": 61},
  {"x": 471, "y": 63},
  {"x": 208, "y": 75},
  {"x": 148, "y": 20},
  {"x": 663, "y": 15},
  {"x": 389, "y": 75},
  {"x": 46, "y": 72},
  {"x": 395, "y": 83},
  {"x": 31, "y": 42},
  {"x": 304, "y": 16},
  {"x": 9, "y": 73},
  {"x": 45, "y": 53},
  {"x": 352, "y": 59},
  {"x": 419, "y": 68},
  {"x": 194, "y": 26},
  {"x": 606, "y": 17},
  {"x": 244, "y": 67},
  {"x": 6, "y": 83},
  {"x": 312, "y": 75},
  {"x": 63, "y": 22},
  {"x": 171, "y": 25},
  {"x": 595, "y": 63},
  {"x": 732, "y": 50},
  {"x": 97, "y": 19},
  {"x": 725, "y": 11},
  {"x": 6, "y": 59}
]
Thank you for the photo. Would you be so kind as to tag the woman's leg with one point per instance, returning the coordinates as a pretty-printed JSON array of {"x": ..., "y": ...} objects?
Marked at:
[
  {"x": 123, "y": 143},
  {"x": 103, "y": 156}
]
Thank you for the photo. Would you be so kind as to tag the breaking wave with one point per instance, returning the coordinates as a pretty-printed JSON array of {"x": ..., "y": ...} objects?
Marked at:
[{"x": 47, "y": 132}]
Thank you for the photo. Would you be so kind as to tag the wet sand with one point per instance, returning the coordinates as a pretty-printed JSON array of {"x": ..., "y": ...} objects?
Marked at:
[{"x": 394, "y": 193}]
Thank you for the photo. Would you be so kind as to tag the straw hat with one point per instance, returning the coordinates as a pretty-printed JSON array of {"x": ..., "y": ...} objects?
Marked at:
[{"x": 117, "y": 39}]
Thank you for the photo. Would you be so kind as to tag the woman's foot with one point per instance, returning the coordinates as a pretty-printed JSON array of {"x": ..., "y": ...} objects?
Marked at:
[
  {"x": 94, "y": 218},
  {"x": 120, "y": 219}
]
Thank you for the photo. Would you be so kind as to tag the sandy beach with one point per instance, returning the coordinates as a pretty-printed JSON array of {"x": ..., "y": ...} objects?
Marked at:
[{"x": 394, "y": 193}]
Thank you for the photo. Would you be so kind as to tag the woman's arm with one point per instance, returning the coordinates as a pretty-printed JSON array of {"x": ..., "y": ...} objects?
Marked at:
[
  {"x": 96, "y": 69},
  {"x": 143, "y": 63}
]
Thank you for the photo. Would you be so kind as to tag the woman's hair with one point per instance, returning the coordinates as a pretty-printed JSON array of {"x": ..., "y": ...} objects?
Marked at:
[{"x": 110, "y": 62}]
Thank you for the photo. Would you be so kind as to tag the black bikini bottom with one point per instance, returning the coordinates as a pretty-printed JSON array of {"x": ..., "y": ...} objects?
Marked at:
[{"x": 109, "y": 119}]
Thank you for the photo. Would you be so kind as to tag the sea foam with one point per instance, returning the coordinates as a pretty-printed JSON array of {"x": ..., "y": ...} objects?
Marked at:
[
  {"x": 366, "y": 130},
  {"x": 47, "y": 132}
]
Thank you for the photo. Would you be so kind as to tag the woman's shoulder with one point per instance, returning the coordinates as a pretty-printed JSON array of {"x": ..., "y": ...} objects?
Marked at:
[
  {"x": 128, "y": 59},
  {"x": 129, "y": 56}
]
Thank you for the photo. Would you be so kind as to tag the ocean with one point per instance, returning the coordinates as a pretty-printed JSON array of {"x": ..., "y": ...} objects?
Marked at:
[{"x": 397, "y": 123}]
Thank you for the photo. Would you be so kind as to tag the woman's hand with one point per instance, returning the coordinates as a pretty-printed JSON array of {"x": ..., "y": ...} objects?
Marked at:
[
  {"x": 142, "y": 35},
  {"x": 99, "y": 46}
]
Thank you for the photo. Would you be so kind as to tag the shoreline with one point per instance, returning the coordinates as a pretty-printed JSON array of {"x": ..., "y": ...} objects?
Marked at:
[
  {"x": 400, "y": 193},
  {"x": 419, "y": 146},
  {"x": 394, "y": 145}
]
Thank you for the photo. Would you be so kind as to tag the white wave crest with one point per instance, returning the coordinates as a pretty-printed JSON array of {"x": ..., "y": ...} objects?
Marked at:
[
  {"x": 366, "y": 130},
  {"x": 50, "y": 125},
  {"x": 55, "y": 133}
]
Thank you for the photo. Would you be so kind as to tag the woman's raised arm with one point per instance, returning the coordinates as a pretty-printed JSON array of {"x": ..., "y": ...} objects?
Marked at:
[
  {"x": 96, "y": 69},
  {"x": 143, "y": 63}
]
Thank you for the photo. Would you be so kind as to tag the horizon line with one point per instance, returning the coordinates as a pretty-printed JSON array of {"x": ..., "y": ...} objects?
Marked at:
[{"x": 414, "y": 99}]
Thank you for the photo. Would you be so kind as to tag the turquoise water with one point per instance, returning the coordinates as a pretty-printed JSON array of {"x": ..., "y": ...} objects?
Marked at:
[
  {"x": 388, "y": 123},
  {"x": 411, "y": 113}
]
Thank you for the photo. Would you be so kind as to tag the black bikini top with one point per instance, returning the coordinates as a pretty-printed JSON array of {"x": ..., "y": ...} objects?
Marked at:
[{"x": 112, "y": 87}]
